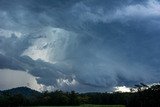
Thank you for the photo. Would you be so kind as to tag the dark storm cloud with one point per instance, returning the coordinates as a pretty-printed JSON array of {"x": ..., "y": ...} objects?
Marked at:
[{"x": 86, "y": 45}]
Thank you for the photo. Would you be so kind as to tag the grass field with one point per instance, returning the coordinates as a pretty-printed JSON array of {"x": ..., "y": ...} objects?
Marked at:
[
  {"x": 88, "y": 105},
  {"x": 102, "y": 106}
]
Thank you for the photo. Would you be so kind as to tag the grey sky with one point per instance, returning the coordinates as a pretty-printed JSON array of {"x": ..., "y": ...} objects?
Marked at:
[{"x": 82, "y": 45}]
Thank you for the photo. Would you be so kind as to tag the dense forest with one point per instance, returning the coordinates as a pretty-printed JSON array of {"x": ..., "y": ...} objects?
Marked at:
[{"x": 23, "y": 96}]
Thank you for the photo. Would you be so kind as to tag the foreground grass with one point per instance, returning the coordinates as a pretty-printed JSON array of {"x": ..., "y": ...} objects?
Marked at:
[
  {"x": 88, "y": 105},
  {"x": 102, "y": 106}
]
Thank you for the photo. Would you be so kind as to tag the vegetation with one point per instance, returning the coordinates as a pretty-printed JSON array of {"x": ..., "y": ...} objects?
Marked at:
[
  {"x": 101, "y": 105},
  {"x": 87, "y": 105},
  {"x": 144, "y": 97}
]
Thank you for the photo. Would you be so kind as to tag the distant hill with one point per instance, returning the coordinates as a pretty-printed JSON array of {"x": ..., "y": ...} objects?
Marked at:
[{"x": 22, "y": 90}]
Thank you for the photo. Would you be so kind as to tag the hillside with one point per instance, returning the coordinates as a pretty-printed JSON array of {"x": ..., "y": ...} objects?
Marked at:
[{"x": 21, "y": 90}]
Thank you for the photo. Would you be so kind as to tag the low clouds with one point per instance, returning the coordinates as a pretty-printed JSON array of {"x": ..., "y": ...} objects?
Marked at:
[
  {"x": 15, "y": 78},
  {"x": 81, "y": 45}
]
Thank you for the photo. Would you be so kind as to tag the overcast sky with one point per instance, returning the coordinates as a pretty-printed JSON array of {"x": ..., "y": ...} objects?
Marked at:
[{"x": 81, "y": 45}]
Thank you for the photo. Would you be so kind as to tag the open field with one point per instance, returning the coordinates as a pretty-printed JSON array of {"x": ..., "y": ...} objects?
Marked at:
[
  {"x": 102, "y": 106},
  {"x": 88, "y": 106}
]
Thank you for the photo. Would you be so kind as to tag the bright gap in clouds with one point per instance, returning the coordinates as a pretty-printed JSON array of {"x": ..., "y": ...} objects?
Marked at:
[
  {"x": 122, "y": 89},
  {"x": 50, "y": 44},
  {"x": 16, "y": 78}
]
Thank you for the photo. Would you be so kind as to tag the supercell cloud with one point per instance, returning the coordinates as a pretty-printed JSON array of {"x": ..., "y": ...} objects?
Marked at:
[{"x": 82, "y": 45}]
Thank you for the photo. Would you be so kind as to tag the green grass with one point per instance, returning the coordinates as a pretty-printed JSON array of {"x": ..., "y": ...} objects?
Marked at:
[
  {"x": 102, "y": 106},
  {"x": 87, "y": 105}
]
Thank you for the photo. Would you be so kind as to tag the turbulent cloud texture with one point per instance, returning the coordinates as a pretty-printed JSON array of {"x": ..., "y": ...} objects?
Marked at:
[{"x": 82, "y": 45}]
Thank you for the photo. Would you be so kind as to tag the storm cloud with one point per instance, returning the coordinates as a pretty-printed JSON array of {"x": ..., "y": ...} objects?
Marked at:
[{"x": 82, "y": 45}]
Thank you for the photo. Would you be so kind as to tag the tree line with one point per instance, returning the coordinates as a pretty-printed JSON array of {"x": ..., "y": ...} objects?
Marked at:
[{"x": 144, "y": 97}]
